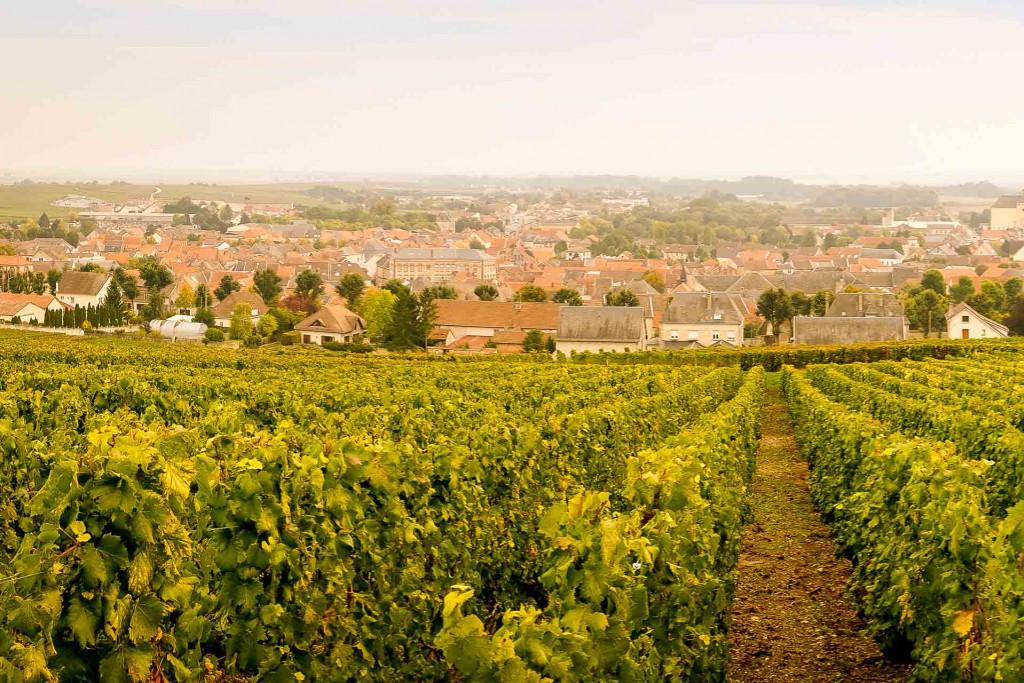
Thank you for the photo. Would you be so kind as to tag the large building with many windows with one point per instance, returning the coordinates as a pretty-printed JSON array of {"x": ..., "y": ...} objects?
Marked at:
[{"x": 438, "y": 265}]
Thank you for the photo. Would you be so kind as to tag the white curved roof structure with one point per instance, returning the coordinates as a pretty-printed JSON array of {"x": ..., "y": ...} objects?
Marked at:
[{"x": 179, "y": 327}]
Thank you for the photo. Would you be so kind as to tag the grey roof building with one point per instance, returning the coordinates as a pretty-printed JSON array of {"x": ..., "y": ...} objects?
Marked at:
[{"x": 596, "y": 328}]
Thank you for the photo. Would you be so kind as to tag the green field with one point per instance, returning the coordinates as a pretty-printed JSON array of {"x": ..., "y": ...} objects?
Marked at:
[{"x": 29, "y": 201}]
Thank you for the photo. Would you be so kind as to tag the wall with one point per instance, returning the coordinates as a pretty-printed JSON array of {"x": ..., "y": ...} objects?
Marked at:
[
  {"x": 705, "y": 332},
  {"x": 318, "y": 337},
  {"x": 976, "y": 328},
  {"x": 847, "y": 330},
  {"x": 567, "y": 347}
]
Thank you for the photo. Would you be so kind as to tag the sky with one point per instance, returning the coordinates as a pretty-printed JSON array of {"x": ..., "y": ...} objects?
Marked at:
[{"x": 844, "y": 90}]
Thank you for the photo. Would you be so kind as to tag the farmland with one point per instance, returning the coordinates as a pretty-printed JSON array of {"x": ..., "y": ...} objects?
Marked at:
[
  {"x": 918, "y": 467},
  {"x": 22, "y": 200},
  {"x": 182, "y": 513},
  {"x": 272, "y": 514}
]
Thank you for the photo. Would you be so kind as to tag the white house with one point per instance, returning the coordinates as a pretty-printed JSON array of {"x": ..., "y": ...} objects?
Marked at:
[
  {"x": 27, "y": 307},
  {"x": 601, "y": 328},
  {"x": 334, "y": 323},
  {"x": 963, "y": 322},
  {"x": 223, "y": 310},
  {"x": 706, "y": 318},
  {"x": 83, "y": 289}
]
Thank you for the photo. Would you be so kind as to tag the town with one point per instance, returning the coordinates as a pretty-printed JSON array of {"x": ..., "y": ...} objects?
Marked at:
[{"x": 498, "y": 269}]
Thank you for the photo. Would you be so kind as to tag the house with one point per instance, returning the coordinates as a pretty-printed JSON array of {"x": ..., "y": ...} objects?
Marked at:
[
  {"x": 83, "y": 289},
  {"x": 438, "y": 265},
  {"x": 702, "y": 317},
  {"x": 509, "y": 341},
  {"x": 486, "y": 318},
  {"x": 849, "y": 330},
  {"x": 222, "y": 311},
  {"x": 27, "y": 307},
  {"x": 334, "y": 323},
  {"x": 601, "y": 328},
  {"x": 865, "y": 305},
  {"x": 963, "y": 322},
  {"x": 1008, "y": 213}
]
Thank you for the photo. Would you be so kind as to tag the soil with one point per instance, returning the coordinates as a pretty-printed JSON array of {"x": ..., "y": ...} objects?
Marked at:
[{"x": 791, "y": 620}]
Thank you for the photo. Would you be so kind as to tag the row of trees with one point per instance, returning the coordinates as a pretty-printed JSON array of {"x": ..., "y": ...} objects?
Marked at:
[{"x": 777, "y": 306}]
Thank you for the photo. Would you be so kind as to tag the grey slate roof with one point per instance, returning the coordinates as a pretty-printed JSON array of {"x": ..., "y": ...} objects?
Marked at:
[
  {"x": 444, "y": 253},
  {"x": 601, "y": 323},
  {"x": 87, "y": 283},
  {"x": 703, "y": 307},
  {"x": 1008, "y": 202},
  {"x": 865, "y": 304}
]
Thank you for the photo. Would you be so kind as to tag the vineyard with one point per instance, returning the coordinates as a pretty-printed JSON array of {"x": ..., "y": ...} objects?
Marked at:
[
  {"x": 180, "y": 513},
  {"x": 175, "y": 513},
  {"x": 918, "y": 467}
]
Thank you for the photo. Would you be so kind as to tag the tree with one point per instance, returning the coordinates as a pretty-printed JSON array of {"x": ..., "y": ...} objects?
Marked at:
[
  {"x": 52, "y": 278},
  {"x": 405, "y": 330},
  {"x": 351, "y": 287},
  {"x": 267, "y": 284},
  {"x": 533, "y": 341},
  {"x": 186, "y": 298},
  {"x": 114, "y": 303},
  {"x": 820, "y": 302},
  {"x": 655, "y": 280},
  {"x": 156, "y": 277},
  {"x": 129, "y": 286},
  {"x": 38, "y": 284},
  {"x": 476, "y": 244},
  {"x": 240, "y": 326},
  {"x": 567, "y": 296},
  {"x": 800, "y": 304},
  {"x": 774, "y": 306},
  {"x": 1012, "y": 288},
  {"x": 990, "y": 301},
  {"x": 202, "y": 296},
  {"x": 375, "y": 308},
  {"x": 961, "y": 290},
  {"x": 294, "y": 302},
  {"x": 226, "y": 287},
  {"x": 44, "y": 221},
  {"x": 1015, "y": 321},
  {"x": 622, "y": 297},
  {"x": 439, "y": 292},
  {"x": 90, "y": 268},
  {"x": 925, "y": 309},
  {"x": 830, "y": 241},
  {"x": 486, "y": 292},
  {"x": 549, "y": 345},
  {"x": 205, "y": 316},
  {"x": 309, "y": 285},
  {"x": 932, "y": 279},
  {"x": 267, "y": 325},
  {"x": 531, "y": 293}
]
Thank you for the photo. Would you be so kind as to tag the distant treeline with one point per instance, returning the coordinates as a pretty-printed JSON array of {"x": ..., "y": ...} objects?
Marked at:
[{"x": 768, "y": 187}]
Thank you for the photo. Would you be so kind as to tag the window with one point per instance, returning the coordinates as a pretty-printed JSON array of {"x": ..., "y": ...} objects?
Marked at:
[
  {"x": 693, "y": 335},
  {"x": 732, "y": 336},
  {"x": 674, "y": 334},
  {"x": 714, "y": 335},
  {"x": 965, "y": 319},
  {"x": 983, "y": 330}
]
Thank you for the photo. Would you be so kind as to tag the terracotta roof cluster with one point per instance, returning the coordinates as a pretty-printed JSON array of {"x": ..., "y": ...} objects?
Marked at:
[{"x": 497, "y": 314}]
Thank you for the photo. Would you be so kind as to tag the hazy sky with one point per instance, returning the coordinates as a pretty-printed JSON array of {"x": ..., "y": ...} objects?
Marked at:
[{"x": 844, "y": 89}]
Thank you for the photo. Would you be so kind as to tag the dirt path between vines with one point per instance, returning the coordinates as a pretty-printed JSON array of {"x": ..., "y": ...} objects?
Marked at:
[{"x": 790, "y": 619}]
